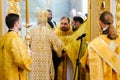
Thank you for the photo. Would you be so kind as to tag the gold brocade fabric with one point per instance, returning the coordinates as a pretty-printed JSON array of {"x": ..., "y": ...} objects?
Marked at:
[
  {"x": 14, "y": 58},
  {"x": 65, "y": 37},
  {"x": 102, "y": 58},
  {"x": 43, "y": 41},
  {"x": 73, "y": 48}
]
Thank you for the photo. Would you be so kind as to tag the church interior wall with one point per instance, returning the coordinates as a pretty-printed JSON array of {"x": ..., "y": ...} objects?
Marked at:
[
  {"x": 95, "y": 11},
  {"x": 60, "y": 8}
]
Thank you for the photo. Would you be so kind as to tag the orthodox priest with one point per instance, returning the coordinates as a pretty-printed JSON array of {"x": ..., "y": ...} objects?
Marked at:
[
  {"x": 64, "y": 32},
  {"x": 72, "y": 49},
  {"x": 14, "y": 57},
  {"x": 102, "y": 58},
  {"x": 43, "y": 40}
]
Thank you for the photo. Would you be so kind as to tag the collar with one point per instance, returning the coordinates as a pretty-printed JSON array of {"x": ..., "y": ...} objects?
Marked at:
[
  {"x": 105, "y": 31},
  {"x": 13, "y": 30}
]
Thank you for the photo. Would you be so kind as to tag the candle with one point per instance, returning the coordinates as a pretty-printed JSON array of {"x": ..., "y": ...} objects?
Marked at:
[{"x": 27, "y": 13}]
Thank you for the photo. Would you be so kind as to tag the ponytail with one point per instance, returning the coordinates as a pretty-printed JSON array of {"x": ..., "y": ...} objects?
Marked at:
[
  {"x": 112, "y": 34},
  {"x": 107, "y": 18}
]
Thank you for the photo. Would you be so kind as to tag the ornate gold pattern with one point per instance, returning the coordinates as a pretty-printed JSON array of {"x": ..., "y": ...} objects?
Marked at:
[
  {"x": 14, "y": 6},
  {"x": 95, "y": 12},
  {"x": 0, "y": 17},
  {"x": 43, "y": 41},
  {"x": 89, "y": 21},
  {"x": 118, "y": 15},
  {"x": 102, "y": 4}
]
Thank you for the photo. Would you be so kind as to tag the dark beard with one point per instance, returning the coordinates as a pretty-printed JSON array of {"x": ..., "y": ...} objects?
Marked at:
[{"x": 64, "y": 29}]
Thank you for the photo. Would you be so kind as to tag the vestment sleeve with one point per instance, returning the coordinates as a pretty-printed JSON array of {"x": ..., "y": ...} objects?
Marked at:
[
  {"x": 84, "y": 59},
  {"x": 20, "y": 54},
  {"x": 56, "y": 43}
]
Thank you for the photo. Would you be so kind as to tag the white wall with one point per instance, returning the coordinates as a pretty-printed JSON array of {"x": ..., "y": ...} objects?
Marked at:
[
  {"x": 62, "y": 8},
  {"x": 85, "y": 6},
  {"x": 59, "y": 8}
]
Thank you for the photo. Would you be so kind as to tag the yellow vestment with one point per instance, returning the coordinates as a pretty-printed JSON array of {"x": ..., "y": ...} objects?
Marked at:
[
  {"x": 102, "y": 59},
  {"x": 73, "y": 48},
  {"x": 14, "y": 58},
  {"x": 65, "y": 37}
]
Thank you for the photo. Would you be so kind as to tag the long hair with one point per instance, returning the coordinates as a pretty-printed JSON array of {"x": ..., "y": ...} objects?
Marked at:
[{"x": 107, "y": 18}]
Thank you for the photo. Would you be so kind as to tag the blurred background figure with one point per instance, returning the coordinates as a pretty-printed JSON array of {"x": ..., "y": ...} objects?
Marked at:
[
  {"x": 51, "y": 23},
  {"x": 77, "y": 21}
]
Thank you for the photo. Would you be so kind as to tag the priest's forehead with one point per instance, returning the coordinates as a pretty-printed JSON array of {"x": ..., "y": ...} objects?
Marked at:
[{"x": 65, "y": 19}]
